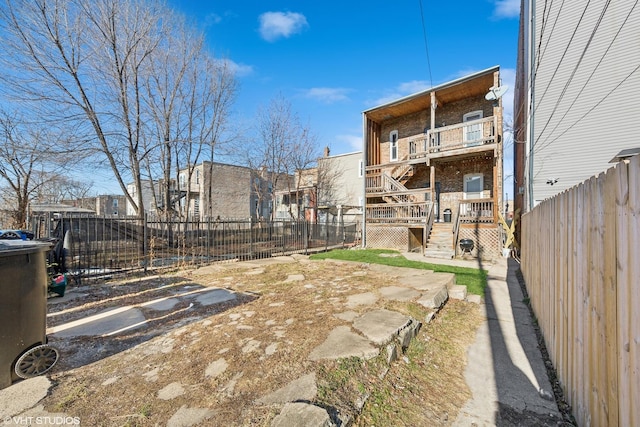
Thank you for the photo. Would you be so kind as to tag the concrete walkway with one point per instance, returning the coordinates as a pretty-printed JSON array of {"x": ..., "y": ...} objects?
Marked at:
[{"x": 505, "y": 371}]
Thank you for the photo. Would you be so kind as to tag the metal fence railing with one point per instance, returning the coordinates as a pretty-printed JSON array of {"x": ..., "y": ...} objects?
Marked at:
[{"x": 99, "y": 246}]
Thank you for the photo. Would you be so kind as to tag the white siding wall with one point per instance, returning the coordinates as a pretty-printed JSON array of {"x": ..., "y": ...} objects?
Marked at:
[
  {"x": 587, "y": 96},
  {"x": 349, "y": 186}
]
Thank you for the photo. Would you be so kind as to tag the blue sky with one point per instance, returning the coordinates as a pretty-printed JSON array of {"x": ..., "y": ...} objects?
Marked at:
[{"x": 334, "y": 59}]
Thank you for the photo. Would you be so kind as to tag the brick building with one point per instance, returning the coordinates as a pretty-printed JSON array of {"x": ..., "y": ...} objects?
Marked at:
[
  {"x": 434, "y": 168},
  {"x": 220, "y": 190}
]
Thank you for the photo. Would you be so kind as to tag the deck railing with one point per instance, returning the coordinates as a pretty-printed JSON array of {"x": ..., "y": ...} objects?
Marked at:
[
  {"x": 461, "y": 135},
  {"x": 395, "y": 213},
  {"x": 477, "y": 210}
]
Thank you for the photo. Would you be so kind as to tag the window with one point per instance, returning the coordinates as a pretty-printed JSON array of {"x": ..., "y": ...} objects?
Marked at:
[
  {"x": 182, "y": 180},
  {"x": 393, "y": 145},
  {"x": 473, "y": 183},
  {"x": 115, "y": 203},
  {"x": 197, "y": 176},
  {"x": 472, "y": 133},
  {"x": 360, "y": 168}
]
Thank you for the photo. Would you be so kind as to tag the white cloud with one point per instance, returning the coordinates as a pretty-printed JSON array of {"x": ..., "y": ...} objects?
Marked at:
[
  {"x": 413, "y": 86},
  {"x": 402, "y": 90},
  {"x": 239, "y": 70},
  {"x": 507, "y": 9},
  {"x": 353, "y": 141},
  {"x": 327, "y": 95},
  {"x": 212, "y": 19},
  {"x": 275, "y": 25},
  {"x": 508, "y": 77}
]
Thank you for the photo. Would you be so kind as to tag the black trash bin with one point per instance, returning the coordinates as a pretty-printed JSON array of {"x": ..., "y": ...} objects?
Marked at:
[
  {"x": 23, "y": 311},
  {"x": 447, "y": 215}
]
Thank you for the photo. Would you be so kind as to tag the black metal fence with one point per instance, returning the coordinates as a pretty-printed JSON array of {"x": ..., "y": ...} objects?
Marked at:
[{"x": 102, "y": 246}]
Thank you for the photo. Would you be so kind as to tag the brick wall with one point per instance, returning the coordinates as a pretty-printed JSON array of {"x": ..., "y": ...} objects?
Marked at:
[
  {"x": 450, "y": 175},
  {"x": 416, "y": 123},
  {"x": 230, "y": 192}
]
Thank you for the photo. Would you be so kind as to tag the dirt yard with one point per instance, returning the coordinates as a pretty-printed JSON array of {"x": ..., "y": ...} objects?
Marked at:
[{"x": 215, "y": 362}]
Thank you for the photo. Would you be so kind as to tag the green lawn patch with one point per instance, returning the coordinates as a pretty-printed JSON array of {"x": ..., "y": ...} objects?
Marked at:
[{"x": 474, "y": 279}]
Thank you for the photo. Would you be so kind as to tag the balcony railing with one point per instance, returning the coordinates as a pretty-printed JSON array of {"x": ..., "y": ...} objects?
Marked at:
[
  {"x": 462, "y": 135},
  {"x": 395, "y": 213},
  {"x": 477, "y": 210}
]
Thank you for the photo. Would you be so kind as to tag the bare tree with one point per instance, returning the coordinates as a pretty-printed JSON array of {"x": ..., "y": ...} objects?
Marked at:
[
  {"x": 82, "y": 62},
  {"x": 284, "y": 149},
  {"x": 131, "y": 79},
  {"x": 26, "y": 166}
]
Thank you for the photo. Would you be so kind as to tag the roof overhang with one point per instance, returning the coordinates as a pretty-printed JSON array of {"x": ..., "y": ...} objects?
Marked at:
[
  {"x": 465, "y": 87},
  {"x": 625, "y": 154}
]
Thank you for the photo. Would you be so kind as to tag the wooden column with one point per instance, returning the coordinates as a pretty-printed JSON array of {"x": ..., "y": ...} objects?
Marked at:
[
  {"x": 432, "y": 181},
  {"x": 434, "y": 105}
]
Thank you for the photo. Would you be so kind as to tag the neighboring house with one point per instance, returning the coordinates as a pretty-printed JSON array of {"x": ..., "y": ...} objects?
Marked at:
[
  {"x": 147, "y": 197},
  {"x": 110, "y": 205},
  {"x": 576, "y": 99},
  {"x": 105, "y": 205},
  {"x": 217, "y": 191},
  {"x": 334, "y": 187},
  {"x": 300, "y": 199},
  {"x": 341, "y": 190},
  {"x": 222, "y": 191},
  {"x": 434, "y": 168}
]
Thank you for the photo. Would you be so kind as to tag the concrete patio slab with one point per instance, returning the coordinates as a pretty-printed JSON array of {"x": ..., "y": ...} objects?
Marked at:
[
  {"x": 215, "y": 296},
  {"x": 302, "y": 414},
  {"x": 366, "y": 298},
  {"x": 398, "y": 293},
  {"x": 343, "y": 342},
  {"x": 106, "y": 322},
  {"x": 304, "y": 388},
  {"x": 434, "y": 298},
  {"x": 381, "y": 326}
]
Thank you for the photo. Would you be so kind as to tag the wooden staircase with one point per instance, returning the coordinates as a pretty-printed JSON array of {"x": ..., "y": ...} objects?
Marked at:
[{"x": 440, "y": 241}]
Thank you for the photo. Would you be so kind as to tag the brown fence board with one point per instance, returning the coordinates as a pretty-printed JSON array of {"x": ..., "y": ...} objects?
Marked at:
[{"x": 581, "y": 264}]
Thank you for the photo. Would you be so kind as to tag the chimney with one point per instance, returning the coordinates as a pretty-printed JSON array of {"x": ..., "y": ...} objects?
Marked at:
[{"x": 326, "y": 151}]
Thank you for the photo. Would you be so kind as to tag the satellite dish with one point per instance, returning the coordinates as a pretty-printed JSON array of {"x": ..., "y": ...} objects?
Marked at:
[{"x": 496, "y": 92}]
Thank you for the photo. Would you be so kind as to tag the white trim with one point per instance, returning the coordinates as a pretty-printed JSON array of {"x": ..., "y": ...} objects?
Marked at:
[
  {"x": 465, "y": 117},
  {"x": 472, "y": 128},
  {"x": 470, "y": 177},
  {"x": 393, "y": 146}
]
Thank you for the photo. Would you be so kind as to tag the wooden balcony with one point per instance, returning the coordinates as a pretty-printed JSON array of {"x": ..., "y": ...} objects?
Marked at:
[
  {"x": 399, "y": 213},
  {"x": 476, "y": 133}
]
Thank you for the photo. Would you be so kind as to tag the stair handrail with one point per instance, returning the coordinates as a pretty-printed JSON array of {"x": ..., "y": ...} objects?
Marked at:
[
  {"x": 429, "y": 224},
  {"x": 390, "y": 184},
  {"x": 456, "y": 231}
]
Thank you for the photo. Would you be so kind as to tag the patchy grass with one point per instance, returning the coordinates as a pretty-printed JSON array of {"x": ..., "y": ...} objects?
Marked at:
[
  {"x": 474, "y": 279},
  {"x": 428, "y": 387}
]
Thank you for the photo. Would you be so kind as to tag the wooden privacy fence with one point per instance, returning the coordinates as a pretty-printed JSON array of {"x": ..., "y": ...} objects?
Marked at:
[{"x": 581, "y": 264}]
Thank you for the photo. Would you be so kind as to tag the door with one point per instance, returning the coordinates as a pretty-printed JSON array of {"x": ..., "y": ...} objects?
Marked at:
[
  {"x": 472, "y": 134},
  {"x": 473, "y": 183}
]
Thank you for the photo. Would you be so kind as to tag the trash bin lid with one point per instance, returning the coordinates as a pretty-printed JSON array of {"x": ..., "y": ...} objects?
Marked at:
[{"x": 18, "y": 247}]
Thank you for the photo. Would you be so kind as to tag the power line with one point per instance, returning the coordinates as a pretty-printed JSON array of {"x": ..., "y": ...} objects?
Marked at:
[
  {"x": 584, "y": 86},
  {"x": 573, "y": 72},
  {"x": 426, "y": 46},
  {"x": 566, "y": 49},
  {"x": 596, "y": 105}
]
